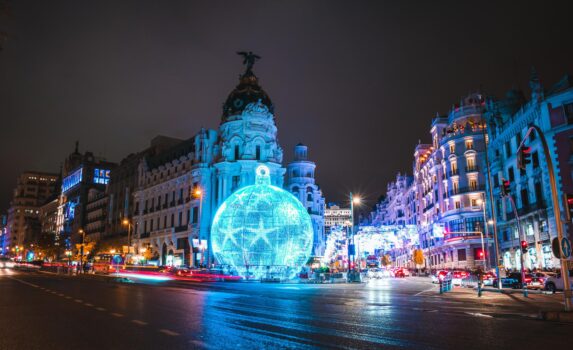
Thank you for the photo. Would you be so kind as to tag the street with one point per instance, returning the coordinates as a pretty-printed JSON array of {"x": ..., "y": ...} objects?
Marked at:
[{"x": 42, "y": 311}]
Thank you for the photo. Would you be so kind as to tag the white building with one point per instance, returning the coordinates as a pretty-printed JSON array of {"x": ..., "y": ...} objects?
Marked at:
[
  {"x": 301, "y": 184},
  {"x": 180, "y": 190}
]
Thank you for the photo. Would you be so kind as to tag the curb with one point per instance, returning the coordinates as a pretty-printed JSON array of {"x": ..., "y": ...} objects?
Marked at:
[{"x": 556, "y": 316}]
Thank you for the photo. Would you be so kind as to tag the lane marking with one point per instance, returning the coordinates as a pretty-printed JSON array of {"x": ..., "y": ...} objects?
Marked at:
[
  {"x": 116, "y": 314},
  {"x": 139, "y": 322},
  {"x": 168, "y": 332},
  {"x": 78, "y": 300},
  {"x": 68, "y": 297},
  {"x": 424, "y": 291},
  {"x": 477, "y": 314},
  {"x": 100, "y": 309},
  {"x": 24, "y": 282},
  {"x": 88, "y": 304},
  {"x": 60, "y": 295}
]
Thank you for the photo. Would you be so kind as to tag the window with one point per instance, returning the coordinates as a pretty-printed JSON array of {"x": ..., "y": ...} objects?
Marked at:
[
  {"x": 474, "y": 202},
  {"x": 165, "y": 221},
  {"x": 236, "y": 152},
  {"x": 473, "y": 185},
  {"x": 151, "y": 225},
  {"x": 517, "y": 139},
  {"x": 180, "y": 219},
  {"x": 137, "y": 207},
  {"x": 181, "y": 194},
  {"x": 195, "y": 214},
  {"x": 510, "y": 174},
  {"x": 145, "y": 226},
  {"x": 535, "y": 160},
  {"x": 452, "y": 148},
  {"x": 538, "y": 193},
  {"x": 258, "y": 152},
  {"x": 507, "y": 150},
  {"x": 458, "y": 204},
  {"x": 469, "y": 144},
  {"x": 461, "y": 255},
  {"x": 471, "y": 163},
  {"x": 524, "y": 198},
  {"x": 235, "y": 183},
  {"x": 568, "y": 110},
  {"x": 496, "y": 180},
  {"x": 172, "y": 220}
]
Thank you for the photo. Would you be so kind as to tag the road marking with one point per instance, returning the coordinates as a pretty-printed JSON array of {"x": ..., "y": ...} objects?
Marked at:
[
  {"x": 424, "y": 291},
  {"x": 68, "y": 297},
  {"x": 168, "y": 332},
  {"x": 60, "y": 295},
  {"x": 78, "y": 300},
  {"x": 116, "y": 314},
  {"x": 139, "y": 322},
  {"x": 477, "y": 314},
  {"x": 100, "y": 309},
  {"x": 88, "y": 304}
]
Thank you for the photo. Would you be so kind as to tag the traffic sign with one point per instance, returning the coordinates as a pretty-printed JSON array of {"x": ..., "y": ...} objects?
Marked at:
[{"x": 566, "y": 247}]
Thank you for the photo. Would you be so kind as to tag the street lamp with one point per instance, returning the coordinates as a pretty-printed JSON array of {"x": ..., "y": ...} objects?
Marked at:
[
  {"x": 126, "y": 222},
  {"x": 81, "y": 232},
  {"x": 481, "y": 202},
  {"x": 198, "y": 194},
  {"x": 353, "y": 200}
]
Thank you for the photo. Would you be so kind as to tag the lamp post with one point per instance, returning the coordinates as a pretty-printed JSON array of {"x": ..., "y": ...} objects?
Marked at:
[
  {"x": 82, "y": 232},
  {"x": 353, "y": 200},
  {"x": 127, "y": 222},
  {"x": 198, "y": 194},
  {"x": 484, "y": 232}
]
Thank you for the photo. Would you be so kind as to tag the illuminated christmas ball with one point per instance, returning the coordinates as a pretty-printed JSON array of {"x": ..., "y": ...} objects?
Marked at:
[{"x": 262, "y": 231}]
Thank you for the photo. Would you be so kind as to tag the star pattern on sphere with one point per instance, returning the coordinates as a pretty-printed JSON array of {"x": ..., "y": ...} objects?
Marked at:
[
  {"x": 261, "y": 233},
  {"x": 229, "y": 234}
]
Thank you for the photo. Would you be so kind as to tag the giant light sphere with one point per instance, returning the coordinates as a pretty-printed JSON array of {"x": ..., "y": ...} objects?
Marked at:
[{"x": 262, "y": 231}]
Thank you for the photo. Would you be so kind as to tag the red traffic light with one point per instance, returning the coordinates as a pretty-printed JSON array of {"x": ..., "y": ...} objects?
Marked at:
[
  {"x": 524, "y": 244},
  {"x": 505, "y": 184}
]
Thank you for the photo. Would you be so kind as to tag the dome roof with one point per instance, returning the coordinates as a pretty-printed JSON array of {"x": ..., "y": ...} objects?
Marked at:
[
  {"x": 262, "y": 229},
  {"x": 248, "y": 91}
]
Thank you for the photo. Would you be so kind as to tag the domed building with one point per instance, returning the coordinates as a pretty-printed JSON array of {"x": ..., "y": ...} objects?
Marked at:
[{"x": 180, "y": 190}]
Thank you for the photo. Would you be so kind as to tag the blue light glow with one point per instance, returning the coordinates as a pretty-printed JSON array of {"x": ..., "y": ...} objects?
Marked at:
[
  {"x": 101, "y": 176},
  {"x": 262, "y": 231},
  {"x": 72, "y": 180}
]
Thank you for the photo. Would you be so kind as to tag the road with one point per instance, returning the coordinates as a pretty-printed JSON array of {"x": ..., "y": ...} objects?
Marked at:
[{"x": 41, "y": 311}]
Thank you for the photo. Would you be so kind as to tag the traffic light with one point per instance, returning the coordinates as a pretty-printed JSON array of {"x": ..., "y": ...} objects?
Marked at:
[
  {"x": 569, "y": 206},
  {"x": 505, "y": 188},
  {"x": 523, "y": 247},
  {"x": 523, "y": 157}
]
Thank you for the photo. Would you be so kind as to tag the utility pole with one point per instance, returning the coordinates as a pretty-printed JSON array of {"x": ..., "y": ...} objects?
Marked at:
[{"x": 556, "y": 210}]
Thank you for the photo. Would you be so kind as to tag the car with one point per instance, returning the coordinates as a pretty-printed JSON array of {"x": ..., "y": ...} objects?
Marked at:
[
  {"x": 488, "y": 279},
  {"x": 6, "y": 263},
  {"x": 458, "y": 276},
  {"x": 555, "y": 283},
  {"x": 513, "y": 280},
  {"x": 399, "y": 273},
  {"x": 439, "y": 276}
]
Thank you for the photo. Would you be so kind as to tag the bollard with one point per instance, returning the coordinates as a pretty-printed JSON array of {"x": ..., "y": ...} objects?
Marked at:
[
  {"x": 441, "y": 291},
  {"x": 479, "y": 290}
]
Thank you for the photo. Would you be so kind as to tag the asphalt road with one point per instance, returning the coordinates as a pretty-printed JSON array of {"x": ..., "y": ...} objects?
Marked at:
[{"x": 39, "y": 311}]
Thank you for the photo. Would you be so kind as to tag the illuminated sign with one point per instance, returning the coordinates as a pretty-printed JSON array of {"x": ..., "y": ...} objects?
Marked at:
[
  {"x": 72, "y": 180},
  {"x": 101, "y": 176}
]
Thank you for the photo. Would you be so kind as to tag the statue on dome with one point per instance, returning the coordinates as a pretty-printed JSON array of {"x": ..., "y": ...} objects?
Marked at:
[{"x": 249, "y": 59}]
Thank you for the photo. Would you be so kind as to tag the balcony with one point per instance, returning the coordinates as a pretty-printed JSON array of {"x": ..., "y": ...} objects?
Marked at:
[
  {"x": 526, "y": 209},
  {"x": 453, "y": 172},
  {"x": 144, "y": 235},
  {"x": 180, "y": 228},
  {"x": 180, "y": 201},
  {"x": 164, "y": 206},
  {"x": 471, "y": 169},
  {"x": 158, "y": 208},
  {"x": 172, "y": 203},
  {"x": 456, "y": 236},
  {"x": 463, "y": 190}
]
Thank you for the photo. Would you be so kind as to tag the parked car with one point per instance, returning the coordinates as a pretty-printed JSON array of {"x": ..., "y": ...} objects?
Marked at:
[
  {"x": 458, "y": 276},
  {"x": 488, "y": 279},
  {"x": 555, "y": 283},
  {"x": 513, "y": 280},
  {"x": 439, "y": 276}
]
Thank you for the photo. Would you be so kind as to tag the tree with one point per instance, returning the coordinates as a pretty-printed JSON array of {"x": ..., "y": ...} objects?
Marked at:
[
  {"x": 418, "y": 257},
  {"x": 386, "y": 260}
]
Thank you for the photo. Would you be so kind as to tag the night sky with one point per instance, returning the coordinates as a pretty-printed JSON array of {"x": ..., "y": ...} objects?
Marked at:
[{"x": 358, "y": 82}]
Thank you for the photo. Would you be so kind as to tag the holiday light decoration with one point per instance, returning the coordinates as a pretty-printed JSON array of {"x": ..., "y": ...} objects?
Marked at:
[{"x": 262, "y": 231}]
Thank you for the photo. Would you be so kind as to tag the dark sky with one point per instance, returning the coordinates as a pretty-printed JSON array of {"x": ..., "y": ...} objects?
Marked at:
[{"x": 357, "y": 81}]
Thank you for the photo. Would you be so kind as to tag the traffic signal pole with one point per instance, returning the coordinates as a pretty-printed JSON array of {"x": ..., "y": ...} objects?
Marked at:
[
  {"x": 521, "y": 234},
  {"x": 557, "y": 211}
]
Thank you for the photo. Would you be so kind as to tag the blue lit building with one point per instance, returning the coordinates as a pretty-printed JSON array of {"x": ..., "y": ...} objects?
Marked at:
[
  {"x": 80, "y": 174},
  {"x": 508, "y": 120},
  {"x": 180, "y": 189}
]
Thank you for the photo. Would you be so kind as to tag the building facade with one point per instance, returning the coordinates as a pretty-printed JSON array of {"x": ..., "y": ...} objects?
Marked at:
[
  {"x": 301, "y": 183},
  {"x": 180, "y": 190},
  {"x": 23, "y": 222},
  {"x": 450, "y": 187},
  {"x": 398, "y": 206},
  {"x": 509, "y": 119}
]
